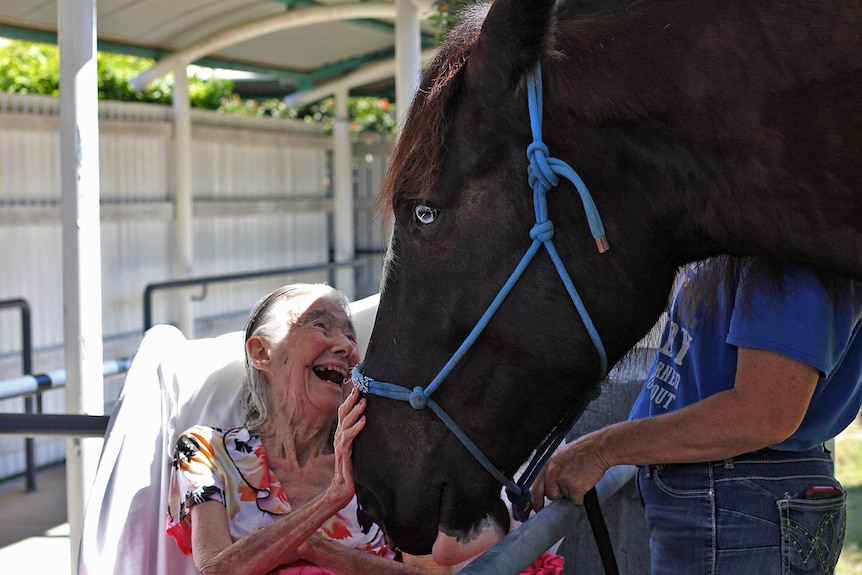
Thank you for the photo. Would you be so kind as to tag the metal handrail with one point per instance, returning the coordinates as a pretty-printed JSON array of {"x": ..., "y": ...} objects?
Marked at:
[
  {"x": 26, "y": 331},
  {"x": 519, "y": 548},
  {"x": 32, "y": 425},
  {"x": 26, "y": 367},
  {"x": 206, "y": 280},
  {"x": 37, "y": 383},
  {"x": 64, "y": 425}
]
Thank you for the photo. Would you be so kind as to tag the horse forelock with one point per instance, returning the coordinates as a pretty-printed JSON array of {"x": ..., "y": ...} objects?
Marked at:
[{"x": 419, "y": 151}]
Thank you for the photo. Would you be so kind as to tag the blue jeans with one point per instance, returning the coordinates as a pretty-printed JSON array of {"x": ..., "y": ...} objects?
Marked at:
[{"x": 748, "y": 514}]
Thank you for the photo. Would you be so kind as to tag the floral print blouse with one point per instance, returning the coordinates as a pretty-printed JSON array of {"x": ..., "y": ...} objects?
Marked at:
[{"x": 230, "y": 467}]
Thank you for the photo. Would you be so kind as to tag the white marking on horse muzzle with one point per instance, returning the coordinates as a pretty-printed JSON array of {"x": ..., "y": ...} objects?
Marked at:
[{"x": 451, "y": 550}]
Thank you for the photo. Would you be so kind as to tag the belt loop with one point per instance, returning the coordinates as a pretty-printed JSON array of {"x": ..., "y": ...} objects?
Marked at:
[{"x": 728, "y": 463}]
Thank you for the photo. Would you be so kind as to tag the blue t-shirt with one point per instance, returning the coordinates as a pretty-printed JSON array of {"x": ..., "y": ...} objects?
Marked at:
[{"x": 698, "y": 351}]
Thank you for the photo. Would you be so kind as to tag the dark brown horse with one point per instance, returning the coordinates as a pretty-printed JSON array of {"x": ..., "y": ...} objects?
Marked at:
[{"x": 699, "y": 127}]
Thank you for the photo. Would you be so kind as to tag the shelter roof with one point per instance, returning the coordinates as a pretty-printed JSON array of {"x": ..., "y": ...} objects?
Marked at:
[{"x": 285, "y": 46}]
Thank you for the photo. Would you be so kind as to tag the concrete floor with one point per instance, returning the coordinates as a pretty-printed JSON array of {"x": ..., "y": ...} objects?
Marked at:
[{"x": 34, "y": 535}]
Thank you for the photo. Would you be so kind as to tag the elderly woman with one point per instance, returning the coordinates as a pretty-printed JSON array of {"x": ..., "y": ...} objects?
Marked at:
[{"x": 277, "y": 495}]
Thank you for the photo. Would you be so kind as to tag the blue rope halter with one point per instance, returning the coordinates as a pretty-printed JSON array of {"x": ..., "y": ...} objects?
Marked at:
[{"x": 542, "y": 172}]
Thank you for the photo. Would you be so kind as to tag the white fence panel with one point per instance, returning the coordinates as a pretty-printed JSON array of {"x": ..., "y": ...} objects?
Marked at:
[
  {"x": 371, "y": 228},
  {"x": 262, "y": 200}
]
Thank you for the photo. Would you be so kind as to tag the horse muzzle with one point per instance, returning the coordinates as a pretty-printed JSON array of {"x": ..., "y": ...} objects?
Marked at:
[{"x": 449, "y": 550}]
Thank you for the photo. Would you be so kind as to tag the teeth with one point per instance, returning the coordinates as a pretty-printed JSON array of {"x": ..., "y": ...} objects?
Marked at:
[
  {"x": 328, "y": 373},
  {"x": 339, "y": 369}
]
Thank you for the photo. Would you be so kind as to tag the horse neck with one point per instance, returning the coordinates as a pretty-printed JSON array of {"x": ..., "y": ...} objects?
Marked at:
[
  {"x": 709, "y": 132},
  {"x": 800, "y": 226}
]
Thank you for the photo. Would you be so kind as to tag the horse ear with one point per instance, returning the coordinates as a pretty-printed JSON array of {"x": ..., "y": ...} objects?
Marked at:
[{"x": 511, "y": 40}]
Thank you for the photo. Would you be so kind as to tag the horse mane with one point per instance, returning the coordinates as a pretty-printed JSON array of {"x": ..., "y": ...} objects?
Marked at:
[
  {"x": 420, "y": 148},
  {"x": 726, "y": 273}
]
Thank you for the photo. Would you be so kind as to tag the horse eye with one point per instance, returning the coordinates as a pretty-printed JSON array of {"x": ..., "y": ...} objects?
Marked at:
[{"x": 425, "y": 215}]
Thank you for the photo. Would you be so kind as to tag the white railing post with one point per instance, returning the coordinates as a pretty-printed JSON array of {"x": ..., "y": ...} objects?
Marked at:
[
  {"x": 407, "y": 54},
  {"x": 183, "y": 221},
  {"x": 82, "y": 272},
  {"x": 342, "y": 216}
]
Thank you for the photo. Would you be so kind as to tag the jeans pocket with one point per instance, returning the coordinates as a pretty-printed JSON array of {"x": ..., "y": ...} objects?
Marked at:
[
  {"x": 812, "y": 534},
  {"x": 680, "y": 487}
]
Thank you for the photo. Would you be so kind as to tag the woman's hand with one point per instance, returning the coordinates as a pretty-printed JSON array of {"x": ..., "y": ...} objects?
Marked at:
[
  {"x": 571, "y": 472},
  {"x": 350, "y": 423},
  {"x": 767, "y": 403}
]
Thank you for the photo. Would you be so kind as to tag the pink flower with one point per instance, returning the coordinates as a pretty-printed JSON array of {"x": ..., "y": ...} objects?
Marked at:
[
  {"x": 545, "y": 564},
  {"x": 302, "y": 568}
]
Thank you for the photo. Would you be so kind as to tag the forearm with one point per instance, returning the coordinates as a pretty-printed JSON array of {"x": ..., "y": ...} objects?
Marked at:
[
  {"x": 706, "y": 431},
  {"x": 718, "y": 427},
  {"x": 327, "y": 553},
  {"x": 766, "y": 405},
  {"x": 272, "y": 546}
]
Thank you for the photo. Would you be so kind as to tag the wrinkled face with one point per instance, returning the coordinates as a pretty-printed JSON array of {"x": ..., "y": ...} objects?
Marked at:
[{"x": 307, "y": 368}]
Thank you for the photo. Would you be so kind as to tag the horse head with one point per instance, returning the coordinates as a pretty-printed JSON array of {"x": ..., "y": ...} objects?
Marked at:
[{"x": 625, "y": 98}]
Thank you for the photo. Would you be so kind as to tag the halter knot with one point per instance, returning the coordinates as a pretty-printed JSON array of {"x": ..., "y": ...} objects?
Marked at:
[
  {"x": 539, "y": 170},
  {"x": 359, "y": 381},
  {"x": 543, "y": 232},
  {"x": 418, "y": 399}
]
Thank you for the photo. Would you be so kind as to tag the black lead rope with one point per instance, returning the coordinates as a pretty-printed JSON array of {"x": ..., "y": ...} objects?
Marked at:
[{"x": 600, "y": 532}]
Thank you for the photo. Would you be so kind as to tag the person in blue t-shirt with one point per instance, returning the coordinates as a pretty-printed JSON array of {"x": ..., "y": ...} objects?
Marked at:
[{"x": 758, "y": 367}]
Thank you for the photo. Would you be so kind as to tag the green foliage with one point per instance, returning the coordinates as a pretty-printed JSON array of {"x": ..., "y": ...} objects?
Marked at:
[
  {"x": 366, "y": 114},
  {"x": 30, "y": 68},
  {"x": 209, "y": 94},
  {"x": 233, "y": 104},
  {"x": 848, "y": 470},
  {"x": 371, "y": 115},
  {"x": 447, "y": 15},
  {"x": 115, "y": 71}
]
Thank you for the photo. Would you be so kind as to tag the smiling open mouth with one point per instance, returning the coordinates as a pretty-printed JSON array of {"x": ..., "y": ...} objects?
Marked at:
[{"x": 331, "y": 373}]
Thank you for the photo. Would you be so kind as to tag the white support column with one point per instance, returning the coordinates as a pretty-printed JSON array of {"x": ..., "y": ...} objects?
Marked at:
[
  {"x": 82, "y": 262},
  {"x": 183, "y": 223},
  {"x": 407, "y": 54},
  {"x": 342, "y": 171}
]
